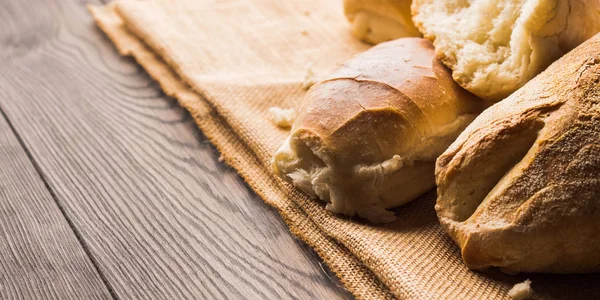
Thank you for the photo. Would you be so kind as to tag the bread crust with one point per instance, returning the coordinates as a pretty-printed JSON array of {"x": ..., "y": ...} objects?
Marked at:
[
  {"x": 367, "y": 136},
  {"x": 520, "y": 187}
]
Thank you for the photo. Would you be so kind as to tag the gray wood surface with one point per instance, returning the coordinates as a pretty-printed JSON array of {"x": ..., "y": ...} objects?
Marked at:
[
  {"x": 40, "y": 256},
  {"x": 156, "y": 211}
]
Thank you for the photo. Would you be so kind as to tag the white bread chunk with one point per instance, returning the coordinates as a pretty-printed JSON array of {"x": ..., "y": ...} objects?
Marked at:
[
  {"x": 495, "y": 46},
  {"x": 521, "y": 291}
]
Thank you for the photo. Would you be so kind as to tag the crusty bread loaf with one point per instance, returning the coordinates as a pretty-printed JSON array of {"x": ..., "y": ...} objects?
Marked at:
[
  {"x": 495, "y": 46},
  {"x": 520, "y": 187},
  {"x": 377, "y": 21},
  {"x": 367, "y": 137}
]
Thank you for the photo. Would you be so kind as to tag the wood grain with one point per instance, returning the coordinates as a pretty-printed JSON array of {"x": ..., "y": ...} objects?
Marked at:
[
  {"x": 40, "y": 256},
  {"x": 157, "y": 211}
]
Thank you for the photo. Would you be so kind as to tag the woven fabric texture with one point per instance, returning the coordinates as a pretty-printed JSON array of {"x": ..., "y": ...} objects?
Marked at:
[{"x": 227, "y": 63}]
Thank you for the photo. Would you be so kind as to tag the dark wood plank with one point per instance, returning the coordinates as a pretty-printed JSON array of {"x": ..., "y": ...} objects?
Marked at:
[
  {"x": 40, "y": 256},
  {"x": 158, "y": 212}
]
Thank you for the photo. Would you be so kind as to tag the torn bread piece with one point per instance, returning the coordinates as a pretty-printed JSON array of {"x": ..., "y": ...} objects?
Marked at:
[
  {"x": 367, "y": 136},
  {"x": 495, "y": 46},
  {"x": 520, "y": 187}
]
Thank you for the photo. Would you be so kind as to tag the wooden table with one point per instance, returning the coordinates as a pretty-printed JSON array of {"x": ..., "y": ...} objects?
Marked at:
[{"x": 109, "y": 191}]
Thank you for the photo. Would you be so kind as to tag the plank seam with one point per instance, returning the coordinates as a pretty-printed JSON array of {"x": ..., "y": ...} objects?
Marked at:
[{"x": 62, "y": 210}]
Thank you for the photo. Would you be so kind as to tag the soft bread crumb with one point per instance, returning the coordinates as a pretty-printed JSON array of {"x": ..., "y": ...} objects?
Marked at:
[
  {"x": 521, "y": 291},
  {"x": 282, "y": 117},
  {"x": 309, "y": 78},
  {"x": 301, "y": 180},
  {"x": 493, "y": 46}
]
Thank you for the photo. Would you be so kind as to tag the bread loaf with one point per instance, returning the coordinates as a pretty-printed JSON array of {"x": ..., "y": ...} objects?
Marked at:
[
  {"x": 520, "y": 187},
  {"x": 495, "y": 46},
  {"x": 367, "y": 136},
  {"x": 376, "y": 21}
]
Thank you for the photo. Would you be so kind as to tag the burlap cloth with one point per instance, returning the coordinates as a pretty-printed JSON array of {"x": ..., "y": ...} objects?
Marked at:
[{"x": 227, "y": 62}]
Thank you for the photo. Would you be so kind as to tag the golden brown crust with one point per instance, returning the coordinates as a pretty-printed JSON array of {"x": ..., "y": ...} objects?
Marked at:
[
  {"x": 400, "y": 85},
  {"x": 520, "y": 187},
  {"x": 582, "y": 24}
]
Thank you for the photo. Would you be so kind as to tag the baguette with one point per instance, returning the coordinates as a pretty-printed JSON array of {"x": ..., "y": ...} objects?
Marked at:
[
  {"x": 520, "y": 187},
  {"x": 366, "y": 137}
]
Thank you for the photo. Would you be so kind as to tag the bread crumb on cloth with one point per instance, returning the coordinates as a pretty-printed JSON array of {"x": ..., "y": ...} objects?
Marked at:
[
  {"x": 359, "y": 156},
  {"x": 309, "y": 78},
  {"x": 282, "y": 117},
  {"x": 521, "y": 291}
]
